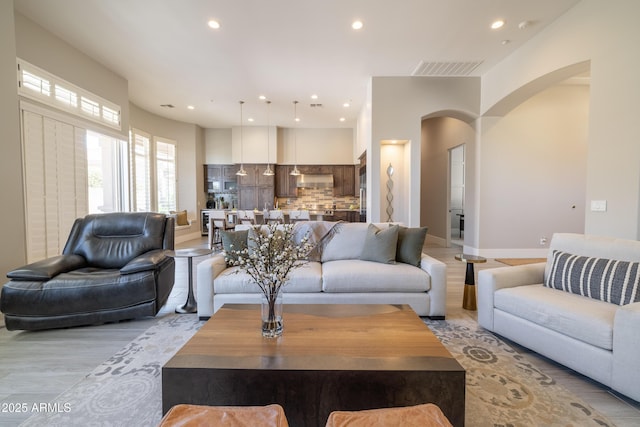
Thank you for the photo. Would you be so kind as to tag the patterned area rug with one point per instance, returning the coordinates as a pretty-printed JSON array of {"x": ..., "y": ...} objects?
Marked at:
[
  {"x": 126, "y": 390},
  {"x": 503, "y": 388}
]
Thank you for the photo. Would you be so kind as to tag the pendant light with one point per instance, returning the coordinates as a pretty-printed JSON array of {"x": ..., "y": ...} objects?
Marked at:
[
  {"x": 295, "y": 171},
  {"x": 241, "y": 172},
  {"x": 268, "y": 171}
]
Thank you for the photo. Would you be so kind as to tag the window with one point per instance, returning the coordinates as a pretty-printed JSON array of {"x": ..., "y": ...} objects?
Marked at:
[
  {"x": 107, "y": 170},
  {"x": 166, "y": 175},
  {"x": 45, "y": 87},
  {"x": 153, "y": 173},
  {"x": 141, "y": 172},
  {"x": 66, "y": 96}
]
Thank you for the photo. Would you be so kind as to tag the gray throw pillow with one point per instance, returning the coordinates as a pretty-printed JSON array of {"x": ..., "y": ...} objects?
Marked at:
[
  {"x": 233, "y": 241},
  {"x": 410, "y": 243},
  {"x": 380, "y": 245}
]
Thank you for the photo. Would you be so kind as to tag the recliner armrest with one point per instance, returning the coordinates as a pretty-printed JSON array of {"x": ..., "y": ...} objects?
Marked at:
[
  {"x": 48, "y": 268},
  {"x": 147, "y": 261}
]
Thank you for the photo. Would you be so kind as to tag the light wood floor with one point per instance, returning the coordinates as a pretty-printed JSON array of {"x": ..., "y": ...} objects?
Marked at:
[{"x": 35, "y": 367}]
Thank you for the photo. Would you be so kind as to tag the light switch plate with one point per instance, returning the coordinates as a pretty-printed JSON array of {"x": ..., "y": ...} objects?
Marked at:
[{"x": 598, "y": 206}]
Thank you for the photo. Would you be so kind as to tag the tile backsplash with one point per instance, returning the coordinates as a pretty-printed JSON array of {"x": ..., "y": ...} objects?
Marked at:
[{"x": 317, "y": 198}]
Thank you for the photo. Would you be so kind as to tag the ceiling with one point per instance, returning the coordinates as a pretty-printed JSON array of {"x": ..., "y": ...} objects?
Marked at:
[{"x": 284, "y": 49}]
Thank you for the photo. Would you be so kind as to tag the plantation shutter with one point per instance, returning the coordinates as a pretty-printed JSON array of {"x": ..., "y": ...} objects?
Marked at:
[
  {"x": 141, "y": 171},
  {"x": 55, "y": 165},
  {"x": 166, "y": 175}
]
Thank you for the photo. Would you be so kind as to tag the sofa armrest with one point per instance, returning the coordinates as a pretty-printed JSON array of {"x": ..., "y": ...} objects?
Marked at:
[
  {"x": 626, "y": 342},
  {"x": 47, "y": 269},
  {"x": 438, "y": 292},
  {"x": 206, "y": 272},
  {"x": 493, "y": 279},
  {"x": 147, "y": 261}
]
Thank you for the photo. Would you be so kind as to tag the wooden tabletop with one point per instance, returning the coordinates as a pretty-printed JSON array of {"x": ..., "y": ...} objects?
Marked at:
[
  {"x": 317, "y": 336},
  {"x": 474, "y": 259},
  {"x": 189, "y": 253}
]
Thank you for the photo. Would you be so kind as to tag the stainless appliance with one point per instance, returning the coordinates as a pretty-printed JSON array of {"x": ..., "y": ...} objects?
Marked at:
[{"x": 314, "y": 181}]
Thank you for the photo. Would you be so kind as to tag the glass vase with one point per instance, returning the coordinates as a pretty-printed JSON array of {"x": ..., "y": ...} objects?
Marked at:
[{"x": 272, "y": 315}]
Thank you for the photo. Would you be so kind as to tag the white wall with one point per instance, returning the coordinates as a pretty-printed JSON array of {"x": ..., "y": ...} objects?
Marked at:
[
  {"x": 39, "y": 47},
  {"x": 217, "y": 146},
  {"x": 12, "y": 227},
  {"x": 398, "y": 106},
  {"x": 533, "y": 169},
  {"x": 254, "y": 147},
  {"x": 315, "y": 146},
  {"x": 189, "y": 139},
  {"x": 606, "y": 34}
]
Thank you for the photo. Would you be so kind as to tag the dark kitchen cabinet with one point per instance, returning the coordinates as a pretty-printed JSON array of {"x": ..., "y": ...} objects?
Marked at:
[
  {"x": 344, "y": 180},
  {"x": 285, "y": 182},
  {"x": 256, "y": 190}
]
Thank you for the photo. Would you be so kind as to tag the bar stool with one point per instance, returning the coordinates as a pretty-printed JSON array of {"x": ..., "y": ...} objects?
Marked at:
[{"x": 217, "y": 222}]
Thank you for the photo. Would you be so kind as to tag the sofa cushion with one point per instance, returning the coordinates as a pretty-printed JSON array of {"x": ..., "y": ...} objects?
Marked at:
[
  {"x": 347, "y": 242},
  {"x": 380, "y": 244},
  {"x": 585, "y": 319},
  {"x": 367, "y": 276},
  {"x": 307, "y": 278},
  {"x": 410, "y": 244},
  {"x": 232, "y": 242},
  {"x": 609, "y": 280}
]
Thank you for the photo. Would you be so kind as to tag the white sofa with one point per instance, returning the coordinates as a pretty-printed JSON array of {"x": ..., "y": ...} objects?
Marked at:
[
  {"x": 596, "y": 338},
  {"x": 340, "y": 277}
]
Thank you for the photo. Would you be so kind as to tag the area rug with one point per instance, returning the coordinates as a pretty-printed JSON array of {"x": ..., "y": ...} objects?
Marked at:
[
  {"x": 126, "y": 390},
  {"x": 503, "y": 388},
  {"x": 520, "y": 261}
]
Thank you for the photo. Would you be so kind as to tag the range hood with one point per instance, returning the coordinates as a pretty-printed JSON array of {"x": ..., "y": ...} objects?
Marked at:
[{"x": 314, "y": 181}]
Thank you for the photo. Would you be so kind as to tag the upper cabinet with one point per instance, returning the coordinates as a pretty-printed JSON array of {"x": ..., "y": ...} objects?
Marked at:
[
  {"x": 344, "y": 180},
  {"x": 220, "y": 178}
]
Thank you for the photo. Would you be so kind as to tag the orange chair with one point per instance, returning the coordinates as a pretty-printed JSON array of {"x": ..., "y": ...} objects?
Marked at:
[
  {"x": 426, "y": 415},
  {"x": 224, "y": 416}
]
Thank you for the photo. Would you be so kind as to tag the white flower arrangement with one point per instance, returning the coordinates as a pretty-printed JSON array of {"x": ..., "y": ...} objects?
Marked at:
[{"x": 270, "y": 256}]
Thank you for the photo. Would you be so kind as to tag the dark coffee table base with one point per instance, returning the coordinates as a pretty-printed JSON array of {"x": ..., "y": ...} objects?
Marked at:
[{"x": 308, "y": 397}]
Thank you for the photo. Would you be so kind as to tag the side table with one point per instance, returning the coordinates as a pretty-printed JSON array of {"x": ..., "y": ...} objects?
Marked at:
[
  {"x": 469, "y": 298},
  {"x": 190, "y": 306}
]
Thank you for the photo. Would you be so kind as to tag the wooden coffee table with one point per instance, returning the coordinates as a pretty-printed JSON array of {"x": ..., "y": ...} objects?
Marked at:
[{"x": 330, "y": 357}]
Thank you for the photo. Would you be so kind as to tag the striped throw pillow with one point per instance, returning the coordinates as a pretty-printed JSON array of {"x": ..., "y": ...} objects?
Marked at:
[{"x": 613, "y": 281}]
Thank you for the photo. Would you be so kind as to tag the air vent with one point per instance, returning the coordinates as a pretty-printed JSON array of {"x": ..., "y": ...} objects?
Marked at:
[
  {"x": 315, "y": 105},
  {"x": 167, "y": 106},
  {"x": 445, "y": 68}
]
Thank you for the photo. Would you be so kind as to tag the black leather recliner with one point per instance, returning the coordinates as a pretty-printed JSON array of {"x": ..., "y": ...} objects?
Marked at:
[{"x": 113, "y": 267}]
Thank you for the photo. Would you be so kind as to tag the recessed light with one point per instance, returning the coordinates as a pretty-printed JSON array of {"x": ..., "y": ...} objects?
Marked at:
[
  {"x": 314, "y": 96},
  {"x": 497, "y": 24},
  {"x": 191, "y": 107},
  {"x": 346, "y": 104},
  {"x": 297, "y": 119},
  {"x": 262, "y": 98},
  {"x": 250, "y": 119},
  {"x": 213, "y": 24},
  {"x": 342, "y": 119},
  {"x": 357, "y": 25}
]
